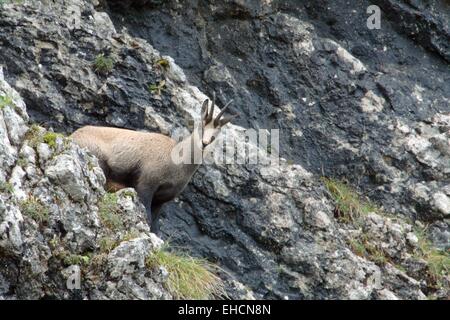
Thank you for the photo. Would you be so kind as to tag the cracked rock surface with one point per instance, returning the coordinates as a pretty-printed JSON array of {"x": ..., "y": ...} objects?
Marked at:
[{"x": 349, "y": 102}]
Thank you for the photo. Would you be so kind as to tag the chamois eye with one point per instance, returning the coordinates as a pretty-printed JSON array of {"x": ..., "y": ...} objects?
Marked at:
[{"x": 212, "y": 139}]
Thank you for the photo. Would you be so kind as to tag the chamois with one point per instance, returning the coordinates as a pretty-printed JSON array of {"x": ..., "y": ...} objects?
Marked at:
[{"x": 156, "y": 166}]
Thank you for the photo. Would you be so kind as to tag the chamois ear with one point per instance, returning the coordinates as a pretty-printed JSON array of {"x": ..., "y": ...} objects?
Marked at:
[
  {"x": 205, "y": 110},
  {"x": 211, "y": 113}
]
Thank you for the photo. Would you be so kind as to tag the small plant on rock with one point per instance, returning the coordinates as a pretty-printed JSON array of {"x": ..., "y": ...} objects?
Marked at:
[
  {"x": 34, "y": 208},
  {"x": 75, "y": 259},
  {"x": 162, "y": 64},
  {"x": 34, "y": 135},
  {"x": 107, "y": 244},
  {"x": 6, "y": 101},
  {"x": 438, "y": 261},
  {"x": 189, "y": 278},
  {"x": 2, "y": 2},
  {"x": 103, "y": 64},
  {"x": 108, "y": 212},
  {"x": 50, "y": 138},
  {"x": 6, "y": 187},
  {"x": 21, "y": 162},
  {"x": 349, "y": 206},
  {"x": 157, "y": 88}
]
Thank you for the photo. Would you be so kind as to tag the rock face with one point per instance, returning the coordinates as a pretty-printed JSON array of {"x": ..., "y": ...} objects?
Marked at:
[
  {"x": 51, "y": 220},
  {"x": 350, "y": 102}
]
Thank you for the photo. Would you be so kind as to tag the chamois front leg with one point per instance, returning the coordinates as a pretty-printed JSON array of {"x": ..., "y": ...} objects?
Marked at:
[
  {"x": 146, "y": 196},
  {"x": 155, "y": 217}
]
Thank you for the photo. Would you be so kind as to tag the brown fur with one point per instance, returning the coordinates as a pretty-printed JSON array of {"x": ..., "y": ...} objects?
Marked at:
[
  {"x": 139, "y": 160},
  {"x": 112, "y": 186}
]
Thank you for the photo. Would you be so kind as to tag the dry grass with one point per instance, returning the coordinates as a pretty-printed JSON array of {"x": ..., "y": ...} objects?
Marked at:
[{"x": 189, "y": 278}]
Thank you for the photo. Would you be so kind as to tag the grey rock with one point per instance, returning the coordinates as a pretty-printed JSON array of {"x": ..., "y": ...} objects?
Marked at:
[
  {"x": 50, "y": 226},
  {"x": 67, "y": 173},
  {"x": 299, "y": 68}
]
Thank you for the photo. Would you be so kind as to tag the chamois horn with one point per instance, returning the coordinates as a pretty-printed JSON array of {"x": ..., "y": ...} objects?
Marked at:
[{"x": 217, "y": 121}]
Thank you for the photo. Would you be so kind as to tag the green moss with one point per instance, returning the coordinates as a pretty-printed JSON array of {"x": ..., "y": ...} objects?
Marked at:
[
  {"x": 2, "y": 2},
  {"x": 400, "y": 267},
  {"x": 109, "y": 243},
  {"x": 6, "y": 187},
  {"x": 75, "y": 259},
  {"x": 130, "y": 235},
  {"x": 108, "y": 212},
  {"x": 90, "y": 165},
  {"x": 103, "y": 64},
  {"x": 21, "y": 162},
  {"x": 34, "y": 208},
  {"x": 157, "y": 88},
  {"x": 37, "y": 135},
  {"x": 130, "y": 194},
  {"x": 189, "y": 278},
  {"x": 6, "y": 101},
  {"x": 50, "y": 139},
  {"x": 54, "y": 242}
]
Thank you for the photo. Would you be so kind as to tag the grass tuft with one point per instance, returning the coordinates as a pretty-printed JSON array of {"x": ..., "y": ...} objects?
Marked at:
[
  {"x": 103, "y": 64},
  {"x": 6, "y": 187},
  {"x": 2, "y": 2},
  {"x": 189, "y": 278},
  {"x": 438, "y": 261},
  {"x": 108, "y": 212},
  {"x": 163, "y": 63},
  {"x": 6, "y": 101},
  {"x": 50, "y": 139},
  {"x": 75, "y": 259},
  {"x": 34, "y": 135},
  {"x": 109, "y": 243},
  {"x": 349, "y": 206},
  {"x": 34, "y": 208},
  {"x": 366, "y": 247}
]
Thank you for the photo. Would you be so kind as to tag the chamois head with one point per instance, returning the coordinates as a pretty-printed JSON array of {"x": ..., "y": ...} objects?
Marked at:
[{"x": 211, "y": 127}]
